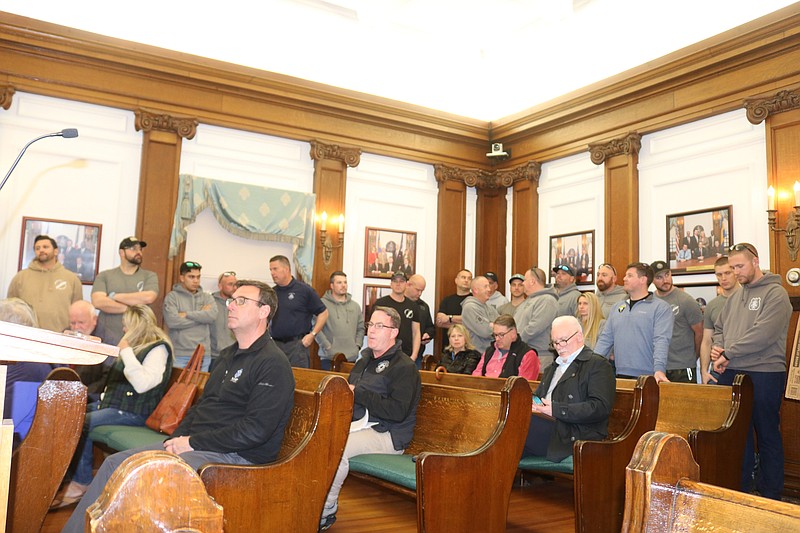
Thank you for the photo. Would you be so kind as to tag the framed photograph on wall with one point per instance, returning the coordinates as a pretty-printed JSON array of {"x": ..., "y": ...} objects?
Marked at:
[
  {"x": 389, "y": 250},
  {"x": 575, "y": 250},
  {"x": 371, "y": 295},
  {"x": 697, "y": 238},
  {"x": 78, "y": 244}
]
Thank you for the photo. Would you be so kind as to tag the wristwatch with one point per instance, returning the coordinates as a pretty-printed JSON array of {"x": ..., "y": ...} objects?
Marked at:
[
  {"x": 112, "y": 294},
  {"x": 451, "y": 318},
  {"x": 722, "y": 353}
]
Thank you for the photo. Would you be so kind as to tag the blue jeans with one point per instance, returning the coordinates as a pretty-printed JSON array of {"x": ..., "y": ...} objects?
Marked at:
[
  {"x": 98, "y": 417},
  {"x": 182, "y": 360},
  {"x": 765, "y": 427}
]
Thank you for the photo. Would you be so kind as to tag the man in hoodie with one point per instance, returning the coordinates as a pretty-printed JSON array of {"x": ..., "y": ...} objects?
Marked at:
[
  {"x": 568, "y": 292},
  {"x": 477, "y": 315},
  {"x": 750, "y": 338},
  {"x": 47, "y": 286},
  {"x": 190, "y": 314},
  {"x": 535, "y": 315},
  {"x": 344, "y": 330},
  {"x": 608, "y": 292}
]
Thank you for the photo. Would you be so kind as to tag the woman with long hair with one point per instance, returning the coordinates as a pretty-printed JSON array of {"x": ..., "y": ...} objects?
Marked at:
[
  {"x": 459, "y": 356},
  {"x": 135, "y": 384},
  {"x": 591, "y": 318}
]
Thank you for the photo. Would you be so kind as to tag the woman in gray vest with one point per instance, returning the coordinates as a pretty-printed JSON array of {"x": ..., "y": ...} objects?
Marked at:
[{"x": 134, "y": 386}]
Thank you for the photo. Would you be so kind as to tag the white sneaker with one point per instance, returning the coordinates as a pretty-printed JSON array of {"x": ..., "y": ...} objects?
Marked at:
[{"x": 71, "y": 494}]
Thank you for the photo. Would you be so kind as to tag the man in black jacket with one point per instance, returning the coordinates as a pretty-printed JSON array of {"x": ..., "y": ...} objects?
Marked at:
[
  {"x": 577, "y": 393},
  {"x": 245, "y": 406},
  {"x": 386, "y": 389}
]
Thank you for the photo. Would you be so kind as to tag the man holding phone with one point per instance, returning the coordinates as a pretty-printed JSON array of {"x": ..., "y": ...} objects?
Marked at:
[{"x": 575, "y": 396}]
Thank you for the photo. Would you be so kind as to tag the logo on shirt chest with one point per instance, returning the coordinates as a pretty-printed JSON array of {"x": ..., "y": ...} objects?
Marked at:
[
  {"x": 383, "y": 365},
  {"x": 290, "y": 296},
  {"x": 236, "y": 376},
  {"x": 140, "y": 286},
  {"x": 676, "y": 309},
  {"x": 755, "y": 303},
  {"x": 60, "y": 284},
  {"x": 408, "y": 313}
]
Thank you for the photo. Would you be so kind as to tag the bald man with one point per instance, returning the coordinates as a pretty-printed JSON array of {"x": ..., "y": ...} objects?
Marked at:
[
  {"x": 83, "y": 319},
  {"x": 427, "y": 328}
]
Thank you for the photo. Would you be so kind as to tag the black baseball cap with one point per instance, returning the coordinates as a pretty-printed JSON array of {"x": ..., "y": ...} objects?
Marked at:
[
  {"x": 130, "y": 242},
  {"x": 658, "y": 267},
  {"x": 491, "y": 275},
  {"x": 399, "y": 275}
]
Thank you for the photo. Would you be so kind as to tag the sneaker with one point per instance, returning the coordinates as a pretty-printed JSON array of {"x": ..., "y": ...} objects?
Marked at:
[
  {"x": 327, "y": 522},
  {"x": 72, "y": 493}
]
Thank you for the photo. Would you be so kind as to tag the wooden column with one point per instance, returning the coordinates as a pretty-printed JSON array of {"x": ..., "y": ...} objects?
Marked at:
[
  {"x": 621, "y": 158},
  {"x": 525, "y": 224},
  {"x": 782, "y": 115},
  {"x": 158, "y": 192}
]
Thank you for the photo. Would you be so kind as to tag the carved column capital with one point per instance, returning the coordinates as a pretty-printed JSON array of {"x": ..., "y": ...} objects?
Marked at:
[
  {"x": 150, "y": 121},
  {"x": 6, "y": 93},
  {"x": 758, "y": 109},
  {"x": 630, "y": 144},
  {"x": 530, "y": 171},
  {"x": 348, "y": 155},
  {"x": 484, "y": 179}
]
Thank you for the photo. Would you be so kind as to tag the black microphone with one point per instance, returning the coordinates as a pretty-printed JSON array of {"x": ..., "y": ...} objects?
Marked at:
[{"x": 69, "y": 133}]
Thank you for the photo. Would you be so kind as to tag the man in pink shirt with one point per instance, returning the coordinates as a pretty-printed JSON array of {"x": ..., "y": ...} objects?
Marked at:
[{"x": 508, "y": 355}]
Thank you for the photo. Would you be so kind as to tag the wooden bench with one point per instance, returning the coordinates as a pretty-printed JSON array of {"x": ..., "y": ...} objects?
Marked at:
[
  {"x": 663, "y": 494},
  {"x": 466, "y": 444},
  {"x": 715, "y": 420}
]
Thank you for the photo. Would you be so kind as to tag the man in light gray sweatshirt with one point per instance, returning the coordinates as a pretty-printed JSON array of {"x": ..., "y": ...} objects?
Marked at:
[
  {"x": 344, "y": 330},
  {"x": 534, "y": 316},
  {"x": 478, "y": 316}
]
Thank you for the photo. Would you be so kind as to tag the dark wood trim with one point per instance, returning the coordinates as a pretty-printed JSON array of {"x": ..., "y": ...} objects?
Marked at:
[{"x": 490, "y": 234}]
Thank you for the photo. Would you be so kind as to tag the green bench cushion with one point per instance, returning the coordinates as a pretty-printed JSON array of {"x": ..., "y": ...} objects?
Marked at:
[
  {"x": 398, "y": 469},
  {"x": 122, "y": 438},
  {"x": 540, "y": 463}
]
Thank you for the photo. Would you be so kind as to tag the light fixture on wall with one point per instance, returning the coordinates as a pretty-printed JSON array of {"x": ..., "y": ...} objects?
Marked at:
[
  {"x": 325, "y": 240},
  {"x": 792, "y": 230}
]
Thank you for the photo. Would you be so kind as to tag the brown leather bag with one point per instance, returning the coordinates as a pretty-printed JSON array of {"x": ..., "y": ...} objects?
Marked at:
[{"x": 170, "y": 411}]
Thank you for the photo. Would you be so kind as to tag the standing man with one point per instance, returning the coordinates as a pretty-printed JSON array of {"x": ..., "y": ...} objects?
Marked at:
[
  {"x": 47, "y": 286},
  {"x": 409, "y": 333},
  {"x": 344, "y": 329},
  {"x": 244, "y": 409},
  {"x": 496, "y": 297},
  {"x": 687, "y": 328},
  {"x": 449, "y": 312},
  {"x": 477, "y": 315},
  {"x": 83, "y": 319},
  {"x": 517, "y": 291},
  {"x": 294, "y": 327},
  {"x": 116, "y": 289},
  {"x": 414, "y": 289},
  {"x": 638, "y": 329},
  {"x": 386, "y": 390},
  {"x": 567, "y": 290},
  {"x": 608, "y": 292},
  {"x": 750, "y": 338},
  {"x": 536, "y": 314},
  {"x": 221, "y": 336},
  {"x": 189, "y": 313},
  {"x": 727, "y": 283}
]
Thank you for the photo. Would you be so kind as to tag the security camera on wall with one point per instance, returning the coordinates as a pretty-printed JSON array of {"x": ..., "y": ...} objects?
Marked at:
[{"x": 498, "y": 152}]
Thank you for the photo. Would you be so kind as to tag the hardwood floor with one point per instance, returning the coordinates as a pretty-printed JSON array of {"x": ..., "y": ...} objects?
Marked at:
[{"x": 544, "y": 507}]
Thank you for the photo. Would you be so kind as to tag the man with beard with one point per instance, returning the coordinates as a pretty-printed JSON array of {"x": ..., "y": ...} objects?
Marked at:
[
  {"x": 608, "y": 292},
  {"x": 119, "y": 288},
  {"x": 221, "y": 336}
]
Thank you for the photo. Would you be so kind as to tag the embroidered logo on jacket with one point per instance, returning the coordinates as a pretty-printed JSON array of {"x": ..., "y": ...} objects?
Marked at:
[
  {"x": 381, "y": 366},
  {"x": 755, "y": 303},
  {"x": 290, "y": 296},
  {"x": 236, "y": 376}
]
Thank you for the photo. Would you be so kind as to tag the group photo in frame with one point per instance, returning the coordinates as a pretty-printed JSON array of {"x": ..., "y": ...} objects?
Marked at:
[
  {"x": 78, "y": 244},
  {"x": 387, "y": 251},
  {"x": 696, "y": 239},
  {"x": 575, "y": 250},
  {"x": 371, "y": 294}
]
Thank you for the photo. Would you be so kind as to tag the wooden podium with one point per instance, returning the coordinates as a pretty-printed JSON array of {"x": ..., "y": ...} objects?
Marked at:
[{"x": 23, "y": 343}]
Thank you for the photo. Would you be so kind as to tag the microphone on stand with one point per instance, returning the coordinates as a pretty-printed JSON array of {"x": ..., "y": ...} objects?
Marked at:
[{"x": 69, "y": 133}]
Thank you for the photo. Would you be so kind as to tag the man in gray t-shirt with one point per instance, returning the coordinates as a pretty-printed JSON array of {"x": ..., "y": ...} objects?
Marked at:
[
  {"x": 728, "y": 285},
  {"x": 687, "y": 329},
  {"x": 116, "y": 289}
]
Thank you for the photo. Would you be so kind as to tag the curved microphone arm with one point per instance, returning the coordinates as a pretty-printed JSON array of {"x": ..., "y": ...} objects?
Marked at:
[{"x": 68, "y": 133}]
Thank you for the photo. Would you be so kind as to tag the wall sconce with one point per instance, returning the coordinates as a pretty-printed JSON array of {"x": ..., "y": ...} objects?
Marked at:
[
  {"x": 792, "y": 225},
  {"x": 325, "y": 240}
]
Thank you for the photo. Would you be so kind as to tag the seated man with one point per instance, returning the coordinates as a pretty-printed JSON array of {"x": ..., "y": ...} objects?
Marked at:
[
  {"x": 241, "y": 416},
  {"x": 508, "y": 355},
  {"x": 386, "y": 390},
  {"x": 577, "y": 393}
]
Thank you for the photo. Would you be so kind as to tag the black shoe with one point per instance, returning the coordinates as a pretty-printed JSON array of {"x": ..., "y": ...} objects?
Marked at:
[{"x": 327, "y": 522}]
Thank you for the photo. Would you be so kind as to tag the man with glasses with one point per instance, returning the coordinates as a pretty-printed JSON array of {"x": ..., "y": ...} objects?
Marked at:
[
  {"x": 576, "y": 396},
  {"x": 221, "y": 336},
  {"x": 116, "y": 289},
  {"x": 608, "y": 292},
  {"x": 386, "y": 390},
  {"x": 243, "y": 411},
  {"x": 750, "y": 338},
  {"x": 638, "y": 329},
  {"x": 189, "y": 313},
  {"x": 727, "y": 284},
  {"x": 536, "y": 314},
  {"x": 508, "y": 355}
]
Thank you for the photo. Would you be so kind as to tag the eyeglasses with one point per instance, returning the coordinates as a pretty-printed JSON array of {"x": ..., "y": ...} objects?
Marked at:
[
  {"x": 608, "y": 265},
  {"x": 378, "y": 325},
  {"x": 192, "y": 265},
  {"x": 562, "y": 342},
  {"x": 501, "y": 334},
  {"x": 743, "y": 246},
  {"x": 241, "y": 300}
]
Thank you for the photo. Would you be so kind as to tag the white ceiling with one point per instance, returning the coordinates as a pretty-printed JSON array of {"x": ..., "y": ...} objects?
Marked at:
[{"x": 481, "y": 59}]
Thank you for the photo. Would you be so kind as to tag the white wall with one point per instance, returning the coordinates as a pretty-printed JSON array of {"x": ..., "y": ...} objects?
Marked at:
[{"x": 93, "y": 178}]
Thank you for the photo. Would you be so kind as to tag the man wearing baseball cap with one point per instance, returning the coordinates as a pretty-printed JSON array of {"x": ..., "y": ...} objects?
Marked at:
[
  {"x": 496, "y": 297},
  {"x": 568, "y": 292},
  {"x": 409, "y": 334},
  {"x": 116, "y": 289},
  {"x": 516, "y": 290}
]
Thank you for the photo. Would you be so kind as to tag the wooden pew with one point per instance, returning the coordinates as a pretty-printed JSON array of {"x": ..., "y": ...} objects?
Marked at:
[
  {"x": 715, "y": 420},
  {"x": 663, "y": 494},
  {"x": 39, "y": 464},
  {"x": 288, "y": 495},
  {"x": 466, "y": 443}
]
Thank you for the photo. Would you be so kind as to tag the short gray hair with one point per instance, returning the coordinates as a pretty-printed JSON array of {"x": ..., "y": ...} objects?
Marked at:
[{"x": 17, "y": 311}]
